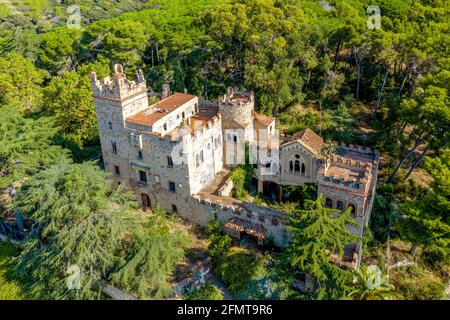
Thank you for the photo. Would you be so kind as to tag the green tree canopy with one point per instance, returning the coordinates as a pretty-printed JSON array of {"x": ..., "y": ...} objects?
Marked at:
[
  {"x": 20, "y": 82},
  {"x": 316, "y": 233},
  {"x": 68, "y": 99},
  {"x": 83, "y": 222},
  {"x": 26, "y": 145}
]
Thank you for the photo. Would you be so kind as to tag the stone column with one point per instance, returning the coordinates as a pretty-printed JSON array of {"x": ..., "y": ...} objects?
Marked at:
[{"x": 260, "y": 186}]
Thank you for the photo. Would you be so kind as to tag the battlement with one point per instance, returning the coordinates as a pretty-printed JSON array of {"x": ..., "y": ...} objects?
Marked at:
[
  {"x": 119, "y": 87},
  {"x": 360, "y": 149},
  {"x": 243, "y": 209},
  {"x": 235, "y": 97}
]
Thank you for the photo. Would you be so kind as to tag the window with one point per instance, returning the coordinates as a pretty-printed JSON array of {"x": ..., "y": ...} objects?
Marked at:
[
  {"x": 303, "y": 168},
  {"x": 202, "y": 158},
  {"x": 174, "y": 208},
  {"x": 183, "y": 115},
  {"x": 117, "y": 170},
  {"x": 340, "y": 205},
  {"x": 142, "y": 176},
  {"x": 114, "y": 147},
  {"x": 291, "y": 166},
  {"x": 157, "y": 179},
  {"x": 297, "y": 166},
  {"x": 110, "y": 125},
  {"x": 172, "y": 186},
  {"x": 328, "y": 203},
  {"x": 196, "y": 108},
  {"x": 353, "y": 209},
  {"x": 235, "y": 139},
  {"x": 297, "y": 156},
  {"x": 140, "y": 155},
  {"x": 165, "y": 126},
  {"x": 169, "y": 161}
]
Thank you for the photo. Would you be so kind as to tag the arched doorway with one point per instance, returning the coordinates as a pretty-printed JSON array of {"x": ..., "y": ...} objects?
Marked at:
[
  {"x": 328, "y": 203},
  {"x": 145, "y": 201},
  {"x": 353, "y": 209},
  {"x": 340, "y": 205}
]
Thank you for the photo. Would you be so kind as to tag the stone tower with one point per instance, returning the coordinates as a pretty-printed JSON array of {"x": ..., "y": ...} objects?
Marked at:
[
  {"x": 115, "y": 99},
  {"x": 236, "y": 109},
  {"x": 120, "y": 93}
]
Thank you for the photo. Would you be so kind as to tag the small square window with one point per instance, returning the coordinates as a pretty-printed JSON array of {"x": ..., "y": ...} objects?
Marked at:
[
  {"x": 172, "y": 186},
  {"x": 140, "y": 155},
  {"x": 110, "y": 125}
]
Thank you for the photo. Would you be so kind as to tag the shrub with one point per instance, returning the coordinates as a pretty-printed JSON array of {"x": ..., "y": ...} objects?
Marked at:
[
  {"x": 219, "y": 245},
  {"x": 242, "y": 179},
  {"x": 208, "y": 292},
  {"x": 213, "y": 228},
  {"x": 240, "y": 269}
]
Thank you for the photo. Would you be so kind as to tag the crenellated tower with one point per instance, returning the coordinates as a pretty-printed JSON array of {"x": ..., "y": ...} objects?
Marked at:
[{"x": 119, "y": 92}]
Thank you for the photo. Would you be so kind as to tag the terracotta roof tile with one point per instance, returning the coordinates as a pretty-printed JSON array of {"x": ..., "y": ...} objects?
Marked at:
[
  {"x": 162, "y": 108},
  {"x": 308, "y": 138},
  {"x": 263, "y": 119}
]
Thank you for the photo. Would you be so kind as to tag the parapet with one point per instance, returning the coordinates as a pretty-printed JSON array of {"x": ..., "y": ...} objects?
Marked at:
[
  {"x": 235, "y": 97},
  {"x": 119, "y": 87}
]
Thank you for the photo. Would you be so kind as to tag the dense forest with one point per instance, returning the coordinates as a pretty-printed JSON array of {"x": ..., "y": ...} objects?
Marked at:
[{"x": 326, "y": 66}]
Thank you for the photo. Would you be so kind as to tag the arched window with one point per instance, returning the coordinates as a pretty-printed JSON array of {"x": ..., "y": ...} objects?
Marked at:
[
  {"x": 291, "y": 166},
  {"x": 328, "y": 203},
  {"x": 353, "y": 209},
  {"x": 340, "y": 205},
  {"x": 297, "y": 166},
  {"x": 303, "y": 168}
]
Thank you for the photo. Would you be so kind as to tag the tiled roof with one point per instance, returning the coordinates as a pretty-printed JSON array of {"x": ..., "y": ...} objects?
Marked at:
[
  {"x": 309, "y": 139},
  {"x": 248, "y": 227},
  {"x": 161, "y": 109},
  {"x": 263, "y": 119}
]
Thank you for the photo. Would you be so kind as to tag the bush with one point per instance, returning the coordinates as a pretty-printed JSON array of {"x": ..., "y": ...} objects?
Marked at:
[
  {"x": 416, "y": 283},
  {"x": 240, "y": 269},
  {"x": 208, "y": 292},
  {"x": 219, "y": 245},
  {"x": 242, "y": 179},
  {"x": 213, "y": 228}
]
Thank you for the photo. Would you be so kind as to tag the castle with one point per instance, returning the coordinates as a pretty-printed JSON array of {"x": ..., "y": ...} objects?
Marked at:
[{"x": 177, "y": 154}]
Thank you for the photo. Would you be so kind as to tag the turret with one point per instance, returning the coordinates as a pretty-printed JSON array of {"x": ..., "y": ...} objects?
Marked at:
[
  {"x": 236, "y": 109},
  {"x": 130, "y": 96}
]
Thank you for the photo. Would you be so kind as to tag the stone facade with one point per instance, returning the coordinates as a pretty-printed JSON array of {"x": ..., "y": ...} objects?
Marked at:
[{"x": 175, "y": 153}]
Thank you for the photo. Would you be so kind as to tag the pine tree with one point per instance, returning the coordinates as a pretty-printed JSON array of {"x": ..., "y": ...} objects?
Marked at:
[
  {"x": 25, "y": 145},
  {"x": 316, "y": 233},
  {"x": 148, "y": 264},
  {"x": 83, "y": 226}
]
